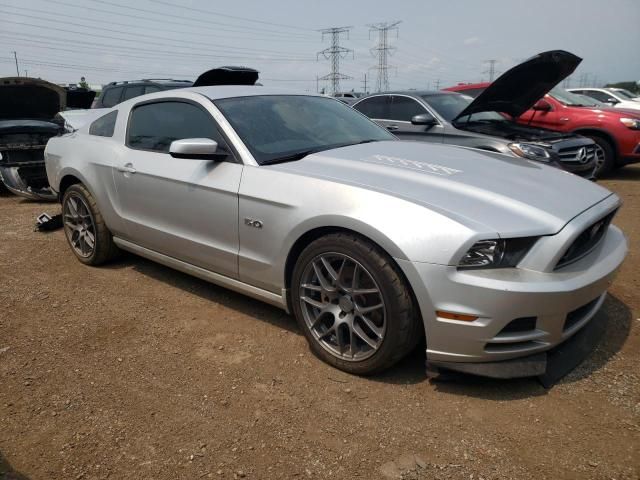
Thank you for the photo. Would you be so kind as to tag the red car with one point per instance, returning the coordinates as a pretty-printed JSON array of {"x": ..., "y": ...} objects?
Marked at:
[{"x": 617, "y": 131}]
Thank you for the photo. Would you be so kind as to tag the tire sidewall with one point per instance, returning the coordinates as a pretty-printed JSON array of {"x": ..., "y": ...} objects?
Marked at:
[
  {"x": 79, "y": 191},
  {"x": 358, "y": 252},
  {"x": 609, "y": 156}
]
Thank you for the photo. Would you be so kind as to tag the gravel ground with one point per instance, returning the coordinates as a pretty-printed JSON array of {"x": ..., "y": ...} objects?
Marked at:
[{"x": 135, "y": 371}]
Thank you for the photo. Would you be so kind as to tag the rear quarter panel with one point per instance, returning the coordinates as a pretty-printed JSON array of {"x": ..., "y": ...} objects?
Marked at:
[{"x": 90, "y": 159}]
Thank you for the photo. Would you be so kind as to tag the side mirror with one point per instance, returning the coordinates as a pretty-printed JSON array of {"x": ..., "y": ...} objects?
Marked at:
[
  {"x": 542, "y": 106},
  {"x": 425, "y": 119},
  {"x": 196, "y": 149},
  {"x": 612, "y": 101}
]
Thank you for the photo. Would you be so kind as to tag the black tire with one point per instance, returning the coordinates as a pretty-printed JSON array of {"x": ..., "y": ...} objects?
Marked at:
[
  {"x": 103, "y": 249},
  {"x": 403, "y": 329},
  {"x": 609, "y": 156}
]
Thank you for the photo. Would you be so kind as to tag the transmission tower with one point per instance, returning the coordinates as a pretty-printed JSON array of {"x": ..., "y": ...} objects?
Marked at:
[
  {"x": 492, "y": 69},
  {"x": 383, "y": 51},
  {"x": 334, "y": 53}
]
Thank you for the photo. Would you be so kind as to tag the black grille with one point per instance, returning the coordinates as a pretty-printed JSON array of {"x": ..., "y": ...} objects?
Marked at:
[
  {"x": 578, "y": 314},
  {"x": 523, "y": 324},
  {"x": 577, "y": 155},
  {"x": 586, "y": 241}
]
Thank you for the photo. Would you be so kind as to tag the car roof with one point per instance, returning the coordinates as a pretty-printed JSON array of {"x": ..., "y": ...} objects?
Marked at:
[
  {"x": 413, "y": 93},
  {"x": 159, "y": 81},
  {"x": 219, "y": 92}
]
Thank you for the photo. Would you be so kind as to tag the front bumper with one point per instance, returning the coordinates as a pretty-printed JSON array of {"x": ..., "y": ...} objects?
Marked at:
[
  {"x": 554, "y": 304},
  {"x": 12, "y": 180}
]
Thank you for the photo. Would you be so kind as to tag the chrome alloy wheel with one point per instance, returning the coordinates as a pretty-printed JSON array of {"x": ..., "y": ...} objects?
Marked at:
[
  {"x": 343, "y": 306},
  {"x": 79, "y": 226}
]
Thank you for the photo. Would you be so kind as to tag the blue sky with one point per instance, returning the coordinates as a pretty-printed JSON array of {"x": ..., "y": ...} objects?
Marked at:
[{"x": 438, "y": 41}]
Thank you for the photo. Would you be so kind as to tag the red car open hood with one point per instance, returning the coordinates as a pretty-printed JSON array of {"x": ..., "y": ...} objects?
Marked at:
[{"x": 515, "y": 91}]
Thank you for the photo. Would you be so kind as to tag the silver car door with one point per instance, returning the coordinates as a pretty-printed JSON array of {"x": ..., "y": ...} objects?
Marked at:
[{"x": 184, "y": 208}]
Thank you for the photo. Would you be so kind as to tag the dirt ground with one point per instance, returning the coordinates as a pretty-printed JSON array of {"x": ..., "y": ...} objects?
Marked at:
[{"x": 135, "y": 371}]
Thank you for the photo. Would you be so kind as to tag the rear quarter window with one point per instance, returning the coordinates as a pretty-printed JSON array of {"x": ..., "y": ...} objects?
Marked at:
[{"x": 104, "y": 126}]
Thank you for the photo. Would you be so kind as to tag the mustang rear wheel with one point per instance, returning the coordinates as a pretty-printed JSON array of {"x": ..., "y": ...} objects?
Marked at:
[
  {"x": 84, "y": 227},
  {"x": 353, "y": 305}
]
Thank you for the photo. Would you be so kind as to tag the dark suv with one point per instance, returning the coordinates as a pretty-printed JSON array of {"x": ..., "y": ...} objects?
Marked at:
[{"x": 116, "y": 92}]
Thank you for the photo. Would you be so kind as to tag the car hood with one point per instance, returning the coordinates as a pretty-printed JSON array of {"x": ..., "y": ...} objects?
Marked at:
[
  {"x": 515, "y": 91},
  {"x": 482, "y": 190},
  {"x": 23, "y": 98}
]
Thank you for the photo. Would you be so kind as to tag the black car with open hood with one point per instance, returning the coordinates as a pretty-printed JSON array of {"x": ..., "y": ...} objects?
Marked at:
[{"x": 28, "y": 109}]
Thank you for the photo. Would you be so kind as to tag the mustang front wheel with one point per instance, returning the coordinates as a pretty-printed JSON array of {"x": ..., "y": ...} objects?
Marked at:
[{"x": 353, "y": 305}]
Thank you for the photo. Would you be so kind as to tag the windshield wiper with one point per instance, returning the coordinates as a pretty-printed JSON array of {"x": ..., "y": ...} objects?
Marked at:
[
  {"x": 300, "y": 155},
  {"x": 294, "y": 156}
]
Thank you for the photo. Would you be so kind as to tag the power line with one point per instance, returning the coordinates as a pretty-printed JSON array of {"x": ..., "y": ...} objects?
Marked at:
[
  {"x": 101, "y": 21},
  {"x": 334, "y": 53},
  {"x": 175, "y": 42},
  {"x": 52, "y": 43},
  {"x": 209, "y": 22},
  {"x": 218, "y": 14},
  {"x": 383, "y": 51}
]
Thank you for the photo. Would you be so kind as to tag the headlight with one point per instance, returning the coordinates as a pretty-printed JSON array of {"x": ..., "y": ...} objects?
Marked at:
[
  {"x": 632, "y": 123},
  {"x": 498, "y": 253},
  {"x": 530, "y": 151}
]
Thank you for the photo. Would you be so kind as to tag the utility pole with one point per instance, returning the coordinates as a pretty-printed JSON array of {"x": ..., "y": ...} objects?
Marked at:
[
  {"x": 383, "y": 51},
  {"x": 437, "y": 84},
  {"x": 15, "y": 56},
  {"x": 364, "y": 82},
  {"x": 492, "y": 69},
  {"x": 334, "y": 53}
]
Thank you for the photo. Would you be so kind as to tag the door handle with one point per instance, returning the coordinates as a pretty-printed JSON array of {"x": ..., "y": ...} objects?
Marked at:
[
  {"x": 392, "y": 127},
  {"x": 127, "y": 169}
]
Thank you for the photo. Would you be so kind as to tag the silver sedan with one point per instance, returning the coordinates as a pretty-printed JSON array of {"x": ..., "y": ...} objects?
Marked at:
[{"x": 374, "y": 244}]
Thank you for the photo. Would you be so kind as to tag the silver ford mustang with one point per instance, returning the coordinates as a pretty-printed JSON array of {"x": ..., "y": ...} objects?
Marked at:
[{"x": 371, "y": 242}]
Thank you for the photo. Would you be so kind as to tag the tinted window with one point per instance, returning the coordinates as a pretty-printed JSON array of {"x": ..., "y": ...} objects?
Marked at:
[
  {"x": 111, "y": 96},
  {"x": 104, "y": 126},
  {"x": 404, "y": 109},
  {"x": 133, "y": 91},
  {"x": 151, "y": 89},
  {"x": 374, "y": 107},
  {"x": 275, "y": 127},
  {"x": 155, "y": 125},
  {"x": 603, "y": 97}
]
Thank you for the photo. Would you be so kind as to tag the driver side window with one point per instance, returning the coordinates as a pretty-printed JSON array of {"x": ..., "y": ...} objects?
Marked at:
[
  {"x": 153, "y": 126},
  {"x": 403, "y": 109}
]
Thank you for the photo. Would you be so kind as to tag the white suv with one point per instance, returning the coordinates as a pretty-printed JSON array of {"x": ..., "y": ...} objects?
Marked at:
[{"x": 609, "y": 96}]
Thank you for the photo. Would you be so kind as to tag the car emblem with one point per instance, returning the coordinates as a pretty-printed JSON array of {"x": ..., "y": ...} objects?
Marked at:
[{"x": 582, "y": 155}]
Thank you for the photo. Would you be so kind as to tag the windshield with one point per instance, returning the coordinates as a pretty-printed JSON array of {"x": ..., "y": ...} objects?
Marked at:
[
  {"x": 281, "y": 127},
  {"x": 571, "y": 99},
  {"x": 623, "y": 93},
  {"x": 449, "y": 106}
]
